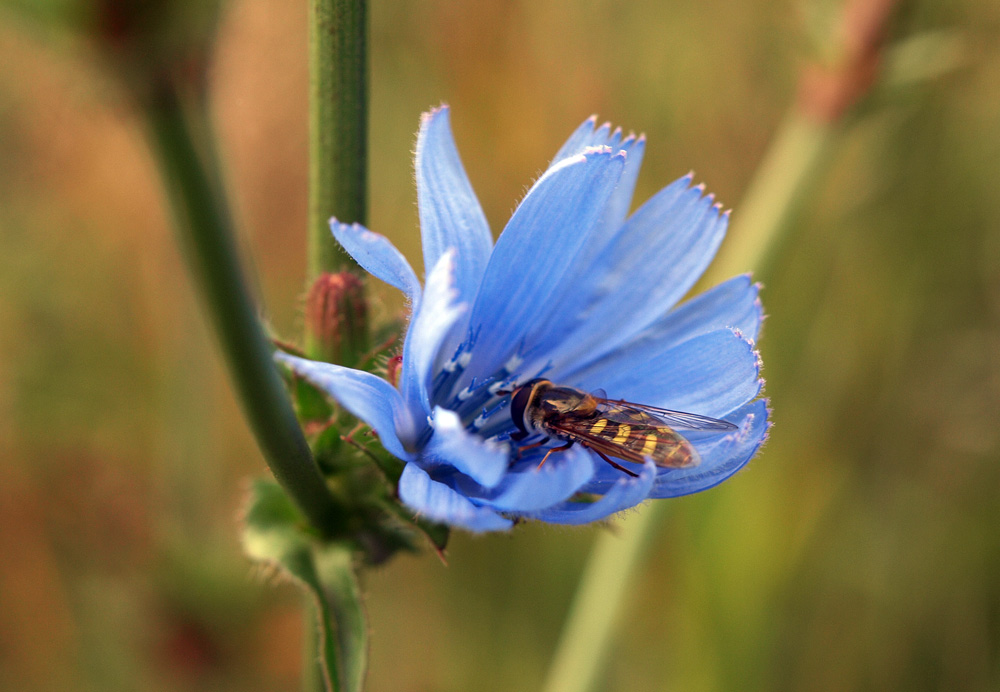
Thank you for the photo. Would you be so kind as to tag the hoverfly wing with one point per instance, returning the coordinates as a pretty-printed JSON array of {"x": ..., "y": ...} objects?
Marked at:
[
  {"x": 632, "y": 440},
  {"x": 623, "y": 411}
]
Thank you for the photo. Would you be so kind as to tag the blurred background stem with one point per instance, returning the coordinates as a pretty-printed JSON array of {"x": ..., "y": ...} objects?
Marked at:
[
  {"x": 798, "y": 155},
  {"x": 205, "y": 231}
]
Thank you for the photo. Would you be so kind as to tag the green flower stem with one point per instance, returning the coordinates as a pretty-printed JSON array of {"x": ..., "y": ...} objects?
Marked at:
[
  {"x": 338, "y": 146},
  {"x": 204, "y": 228},
  {"x": 338, "y": 126},
  {"x": 313, "y": 679},
  {"x": 584, "y": 646}
]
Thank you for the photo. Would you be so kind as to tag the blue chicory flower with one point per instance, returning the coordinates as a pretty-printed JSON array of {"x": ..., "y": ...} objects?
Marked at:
[{"x": 574, "y": 290}]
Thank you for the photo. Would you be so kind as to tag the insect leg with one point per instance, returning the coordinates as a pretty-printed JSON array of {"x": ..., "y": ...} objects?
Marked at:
[
  {"x": 613, "y": 463},
  {"x": 534, "y": 445},
  {"x": 555, "y": 449}
]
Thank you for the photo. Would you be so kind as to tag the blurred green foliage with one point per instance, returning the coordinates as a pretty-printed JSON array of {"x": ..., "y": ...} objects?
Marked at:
[{"x": 860, "y": 551}]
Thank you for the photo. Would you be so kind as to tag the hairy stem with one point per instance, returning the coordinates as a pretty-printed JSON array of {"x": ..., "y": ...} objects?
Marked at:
[{"x": 338, "y": 126}]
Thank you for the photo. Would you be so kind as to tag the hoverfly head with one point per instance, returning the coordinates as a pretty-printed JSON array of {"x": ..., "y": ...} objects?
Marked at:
[{"x": 521, "y": 400}]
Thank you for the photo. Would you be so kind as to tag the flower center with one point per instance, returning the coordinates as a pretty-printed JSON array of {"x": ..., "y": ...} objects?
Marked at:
[{"x": 481, "y": 409}]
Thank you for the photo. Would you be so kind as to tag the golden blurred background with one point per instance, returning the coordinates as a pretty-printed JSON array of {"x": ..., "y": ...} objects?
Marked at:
[{"x": 860, "y": 550}]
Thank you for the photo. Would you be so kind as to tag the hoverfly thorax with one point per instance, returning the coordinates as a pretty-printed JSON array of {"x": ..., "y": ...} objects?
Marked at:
[{"x": 537, "y": 403}]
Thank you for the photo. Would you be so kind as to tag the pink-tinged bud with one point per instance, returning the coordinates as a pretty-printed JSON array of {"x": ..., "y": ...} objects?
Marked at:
[
  {"x": 392, "y": 369},
  {"x": 337, "y": 318}
]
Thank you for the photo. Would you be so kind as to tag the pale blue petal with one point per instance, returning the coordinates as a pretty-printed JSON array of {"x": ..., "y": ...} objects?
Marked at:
[
  {"x": 654, "y": 260},
  {"x": 589, "y": 135},
  {"x": 663, "y": 249},
  {"x": 533, "y": 263},
  {"x": 366, "y": 396},
  {"x": 621, "y": 200},
  {"x": 625, "y": 493},
  {"x": 668, "y": 242},
  {"x": 378, "y": 257},
  {"x": 585, "y": 136},
  {"x": 733, "y": 304},
  {"x": 709, "y": 375},
  {"x": 450, "y": 215},
  {"x": 576, "y": 335},
  {"x": 528, "y": 488},
  {"x": 485, "y": 461},
  {"x": 722, "y": 458},
  {"x": 437, "y": 502},
  {"x": 429, "y": 328}
]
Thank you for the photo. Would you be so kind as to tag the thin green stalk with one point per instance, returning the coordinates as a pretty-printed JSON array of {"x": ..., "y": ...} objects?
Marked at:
[
  {"x": 312, "y": 664},
  {"x": 338, "y": 126},
  {"x": 586, "y": 637},
  {"x": 793, "y": 161},
  {"x": 204, "y": 228}
]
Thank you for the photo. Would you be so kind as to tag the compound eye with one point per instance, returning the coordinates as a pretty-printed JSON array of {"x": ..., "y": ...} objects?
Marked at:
[{"x": 519, "y": 401}]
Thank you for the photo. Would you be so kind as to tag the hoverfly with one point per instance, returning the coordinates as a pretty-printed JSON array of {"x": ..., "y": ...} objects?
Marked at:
[{"x": 609, "y": 427}]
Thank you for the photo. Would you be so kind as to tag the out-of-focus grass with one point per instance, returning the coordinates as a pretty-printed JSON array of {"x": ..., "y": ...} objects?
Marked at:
[{"x": 860, "y": 551}]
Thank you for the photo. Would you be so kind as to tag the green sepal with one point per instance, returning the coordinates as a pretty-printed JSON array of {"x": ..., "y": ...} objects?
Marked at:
[
  {"x": 312, "y": 404},
  {"x": 276, "y": 535},
  {"x": 362, "y": 475},
  {"x": 436, "y": 534}
]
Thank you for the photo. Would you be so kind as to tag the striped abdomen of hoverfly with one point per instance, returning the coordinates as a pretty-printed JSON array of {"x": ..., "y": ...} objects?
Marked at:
[
  {"x": 620, "y": 429},
  {"x": 637, "y": 440}
]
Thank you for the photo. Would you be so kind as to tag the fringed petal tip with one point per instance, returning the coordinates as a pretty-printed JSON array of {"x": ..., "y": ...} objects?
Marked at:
[
  {"x": 722, "y": 458},
  {"x": 758, "y": 362},
  {"x": 440, "y": 108},
  {"x": 604, "y": 134},
  {"x": 755, "y": 429},
  {"x": 717, "y": 206},
  {"x": 589, "y": 134},
  {"x": 752, "y": 345}
]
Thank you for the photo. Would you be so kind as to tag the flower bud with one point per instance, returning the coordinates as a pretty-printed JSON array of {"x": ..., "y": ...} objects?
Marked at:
[{"x": 337, "y": 318}]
